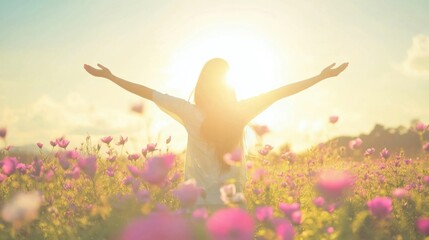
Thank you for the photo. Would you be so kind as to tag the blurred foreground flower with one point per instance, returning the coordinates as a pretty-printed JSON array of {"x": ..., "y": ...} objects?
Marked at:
[
  {"x": 264, "y": 213},
  {"x": 3, "y": 132},
  {"x": 8, "y": 165},
  {"x": 355, "y": 143},
  {"x": 187, "y": 193},
  {"x": 422, "y": 225},
  {"x": 160, "y": 225},
  {"x": 380, "y": 207},
  {"x": 156, "y": 168},
  {"x": 233, "y": 158},
  {"x": 22, "y": 208},
  {"x": 334, "y": 183},
  {"x": 231, "y": 223},
  {"x": 284, "y": 229},
  {"x": 420, "y": 127}
]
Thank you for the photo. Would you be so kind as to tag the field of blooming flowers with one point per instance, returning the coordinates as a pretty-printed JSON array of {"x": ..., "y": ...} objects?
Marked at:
[{"x": 101, "y": 191}]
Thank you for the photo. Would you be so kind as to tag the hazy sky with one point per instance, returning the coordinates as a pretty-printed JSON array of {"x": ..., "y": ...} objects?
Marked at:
[{"x": 45, "y": 93}]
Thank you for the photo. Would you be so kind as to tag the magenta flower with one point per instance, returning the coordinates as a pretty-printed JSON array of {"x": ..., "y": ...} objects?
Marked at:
[
  {"x": 156, "y": 168},
  {"x": 264, "y": 213},
  {"x": 8, "y": 165},
  {"x": 53, "y": 143},
  {"x": 21, "y": 168},
  {"x": 133, "y": 157},
  {"x": 233, "y": 158},
  {"x": 40, "y": 145},
  {"x": 385, "y": 154},
  {"x": 333, "y": 119},
  {"x": 380, "y": 207},
  {"x": 122, "y": 141},
  {"x": 296, "y": 217},
  {"x": 426, "y": 179},
  {"x": 422, "y": 225},
  {"x": 284, "y": 229},
  {"x": 88, "y": 165},
  {"x": 187, "y": 193},
  {"x": 158, "y": 225},
  {"x": 334, "y": 183},
  {"x": 231, "y": 223},
  {"x": 420, "y": 127},
  {"x": 62, "y": 142},
  {"x": 3, "y": 132},
  {"x": 106, "y": 140},
  {"x": 137, "y": 108},
  {"x": 355, "y": 143},
  {"x": 260, "y": 130}
]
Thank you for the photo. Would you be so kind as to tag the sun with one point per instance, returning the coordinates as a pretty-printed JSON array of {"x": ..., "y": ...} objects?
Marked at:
[{"x": 254, "y": 63}]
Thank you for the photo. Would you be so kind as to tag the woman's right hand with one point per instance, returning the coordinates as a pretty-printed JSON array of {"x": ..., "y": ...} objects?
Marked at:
[{"x": 102, "y": 72}]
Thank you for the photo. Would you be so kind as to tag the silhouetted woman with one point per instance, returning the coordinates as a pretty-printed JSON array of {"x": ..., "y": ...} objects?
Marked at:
[{"x": 215, "y": 123}]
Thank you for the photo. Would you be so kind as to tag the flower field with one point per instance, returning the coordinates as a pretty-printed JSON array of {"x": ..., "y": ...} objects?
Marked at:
[{"x": 102, "y": 191}]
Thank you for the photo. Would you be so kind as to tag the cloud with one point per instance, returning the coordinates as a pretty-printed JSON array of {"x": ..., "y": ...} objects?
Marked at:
[{"x": 417, "y": 61}]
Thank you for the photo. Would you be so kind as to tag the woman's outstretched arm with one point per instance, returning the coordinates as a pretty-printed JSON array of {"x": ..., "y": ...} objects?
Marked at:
[
  {"x": 253, "y": 106},
  {"x": 104, "y": 72}
]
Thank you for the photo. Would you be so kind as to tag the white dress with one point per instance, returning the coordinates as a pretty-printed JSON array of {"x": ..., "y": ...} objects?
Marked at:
[{"x": 201, "y": 163}]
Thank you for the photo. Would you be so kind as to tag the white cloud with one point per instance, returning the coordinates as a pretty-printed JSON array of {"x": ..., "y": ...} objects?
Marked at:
[{"x": 417, "y": 61}]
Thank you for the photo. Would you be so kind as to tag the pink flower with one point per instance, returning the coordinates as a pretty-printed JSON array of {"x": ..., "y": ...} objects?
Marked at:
[
  {"x": 333, "y": 119},
  {"x": 334, "y": 183},
  {"x": 296, "y": 217},
  {"x": 2, "y": 178},
  {"x": 21, "y": 167},
  {"x": 264, "y": 213},
  {"x": 156, "y": 168},
  {"x": 110, "y": 171},
  {"x": 63, "y": 160},
  {"x": 135, "y": 171},
  {"x": 88, "y": 165},
  {"x": 284, "y": 229},
  {"x": 422, "y": 225},
  {"x": 289, "y": 156},
  {"x": 380, "y": 207},
  {"x": 369, "y": 152},
  {"x": 151, "y": 147},
  {"x": 425, "y": 147},
  {"x": 319, "y": 201},
  {"x": 260, "y": 130},
  {"x": 133, "y": 157},
  {"x": 426, "y": 179},
  {"x": 233, "y": 158},
  {"x": 106, "y": 140},
  {"x": 122, "y": 141},
  {"x": 53, "y": 143},
  {"x": 259, "y": 174},
  {"x": 385, "y": 154},
  {"x": 288, "y": 209},
  {"x": 264, "y": 151},
  {"x": 330, "y": 230},
  {"x": 62, "y": 142},
  {"x": 420, "y": 127},
  {"x": 231, "y": 223},
  {"x": 40, "y": 145},
  {"x": 159, "y": 225},
  {"x": 187, "y": 193},
  {"x": 8, "y": 165},
  {"x": 111, "y": 158},
  {"x": 355, "y": 144},
  {"x": 137, "y": 108},
  {"x": 200, "y": 213},
  {"x": 400, "y": 193}
]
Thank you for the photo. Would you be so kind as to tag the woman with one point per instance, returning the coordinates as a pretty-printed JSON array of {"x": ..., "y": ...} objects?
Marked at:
[{"x": 215, "y": 122}]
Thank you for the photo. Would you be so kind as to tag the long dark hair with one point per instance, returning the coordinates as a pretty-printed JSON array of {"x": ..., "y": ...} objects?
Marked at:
[{"x": 222, "y": 125}]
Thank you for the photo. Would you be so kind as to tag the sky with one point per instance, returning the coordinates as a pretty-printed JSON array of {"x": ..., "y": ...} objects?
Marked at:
[{"x": 45, "y": 92}]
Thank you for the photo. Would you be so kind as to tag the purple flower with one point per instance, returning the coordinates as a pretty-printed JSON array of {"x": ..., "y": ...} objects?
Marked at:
[
  {"x": 156, "y": 168},
  {"x": 187, "y": 193},
  {"x": 380, "y": 207},
  {"x": 264, "y": 213},
  {"x": 385, "y": 154},
  {"x": 231, "y": 223},
  {"x": 422, "y": 225},
  {"x": 158, "y": 225},
  {"x": 88, "y": 165},
  {"x": 106, "y": 140}
]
